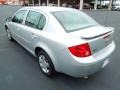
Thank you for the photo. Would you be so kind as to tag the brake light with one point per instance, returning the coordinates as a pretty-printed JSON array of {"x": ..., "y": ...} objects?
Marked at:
[{"x": 82, "y": 50}]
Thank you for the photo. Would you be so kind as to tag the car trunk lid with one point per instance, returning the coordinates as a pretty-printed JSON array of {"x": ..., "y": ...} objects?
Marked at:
[{"x": 98, "y": 37}]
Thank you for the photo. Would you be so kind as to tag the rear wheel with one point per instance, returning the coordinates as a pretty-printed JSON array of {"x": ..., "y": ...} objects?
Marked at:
[
  {"x": 9, "y": 35},
  {"x": 117, "y": 9},
  {"x": 45, "y": 63}
]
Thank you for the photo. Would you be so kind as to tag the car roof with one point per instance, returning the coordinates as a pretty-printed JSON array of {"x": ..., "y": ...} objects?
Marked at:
[{"x": 48, "y": 8}]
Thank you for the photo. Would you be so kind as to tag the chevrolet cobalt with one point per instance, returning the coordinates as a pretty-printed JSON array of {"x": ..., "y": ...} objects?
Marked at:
[{"x": 62, "y": 39}]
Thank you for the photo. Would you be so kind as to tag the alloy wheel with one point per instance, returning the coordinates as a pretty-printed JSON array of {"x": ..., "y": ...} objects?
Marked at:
[{"x": 44, "y": 64}]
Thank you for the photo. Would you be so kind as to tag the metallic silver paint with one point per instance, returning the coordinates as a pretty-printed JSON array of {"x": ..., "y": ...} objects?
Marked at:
[{"x": 55, "y": 41}]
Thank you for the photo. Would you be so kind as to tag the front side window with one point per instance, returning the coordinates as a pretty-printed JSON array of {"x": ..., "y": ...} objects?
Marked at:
[
  {"x": 32, "y": 19},
  {"x": 73, "y": 20},
  {"x": 18, "y": 18}
]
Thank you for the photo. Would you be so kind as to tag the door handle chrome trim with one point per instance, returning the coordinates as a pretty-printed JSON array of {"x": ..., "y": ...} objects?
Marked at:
[{"x": 34, "y": 35}]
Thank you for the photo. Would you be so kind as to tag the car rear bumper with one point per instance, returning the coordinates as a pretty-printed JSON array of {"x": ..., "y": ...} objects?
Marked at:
[
  {"x": 86, "y": 69},
  {"x": 81, "y": 67}
]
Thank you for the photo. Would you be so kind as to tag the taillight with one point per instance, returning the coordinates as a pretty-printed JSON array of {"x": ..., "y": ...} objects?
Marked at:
[{"x": 82, "y": 50}]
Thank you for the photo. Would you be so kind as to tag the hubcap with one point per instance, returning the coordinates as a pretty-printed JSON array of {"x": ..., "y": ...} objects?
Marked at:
[{"x": 44, "y": 64}]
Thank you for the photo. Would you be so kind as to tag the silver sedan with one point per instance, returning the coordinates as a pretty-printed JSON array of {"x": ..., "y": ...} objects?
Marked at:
[{"x": 62, "y": 39}]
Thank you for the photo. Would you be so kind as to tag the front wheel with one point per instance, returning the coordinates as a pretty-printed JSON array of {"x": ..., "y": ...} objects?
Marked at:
[
  {"x": 45, "y": 63},
  {"x": 9, "y": 35}
]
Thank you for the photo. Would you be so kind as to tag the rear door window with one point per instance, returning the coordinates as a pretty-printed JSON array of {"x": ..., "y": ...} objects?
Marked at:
[{"x": 33, "y": 19}]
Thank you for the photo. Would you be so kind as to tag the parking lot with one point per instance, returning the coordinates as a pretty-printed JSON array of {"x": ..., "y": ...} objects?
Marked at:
[{"x": 20, "y": 71}]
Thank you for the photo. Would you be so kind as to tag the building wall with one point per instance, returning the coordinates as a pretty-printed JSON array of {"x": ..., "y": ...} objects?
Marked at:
[
  {"x": 15, "y": 2},
  {"x": 2, "y": 1}
]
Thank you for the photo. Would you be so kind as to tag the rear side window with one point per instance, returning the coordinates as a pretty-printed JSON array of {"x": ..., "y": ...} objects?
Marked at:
[
  {"x": 18, "y": 18},
  {"x": 32, "y": 19},
  {"x": 35, "y": 19}
]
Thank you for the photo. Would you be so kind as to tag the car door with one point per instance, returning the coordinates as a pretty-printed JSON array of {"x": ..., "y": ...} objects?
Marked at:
[
  {"x": 34, "y": 24},
  {"x": 16, "y": 25}
]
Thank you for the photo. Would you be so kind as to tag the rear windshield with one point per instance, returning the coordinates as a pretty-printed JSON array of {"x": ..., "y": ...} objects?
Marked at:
[{"x": 73, "y": 20}]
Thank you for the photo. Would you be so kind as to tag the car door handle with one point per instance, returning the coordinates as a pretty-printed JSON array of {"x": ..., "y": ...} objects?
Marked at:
[{"x": 34, "y": 35}]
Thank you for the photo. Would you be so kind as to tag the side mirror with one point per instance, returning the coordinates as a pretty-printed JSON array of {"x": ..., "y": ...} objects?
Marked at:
[{"x": 9, "y": 19}]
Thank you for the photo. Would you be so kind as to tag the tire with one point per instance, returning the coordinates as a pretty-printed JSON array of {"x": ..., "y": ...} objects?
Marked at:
[
  {"x": 45, "y": 63},
  {"x": 9, "y": 35},
  {"x": 117, "y": 9}
]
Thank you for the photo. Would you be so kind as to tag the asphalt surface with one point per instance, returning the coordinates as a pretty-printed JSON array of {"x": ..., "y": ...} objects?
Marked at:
[{"x": 20, "y": 71}]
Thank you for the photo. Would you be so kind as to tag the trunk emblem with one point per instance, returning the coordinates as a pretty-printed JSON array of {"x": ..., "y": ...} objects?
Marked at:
[{"x": 107, "y": 38}]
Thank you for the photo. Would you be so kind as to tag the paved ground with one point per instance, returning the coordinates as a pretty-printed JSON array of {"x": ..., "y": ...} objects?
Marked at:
[{"x": 19, "y": 71}]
